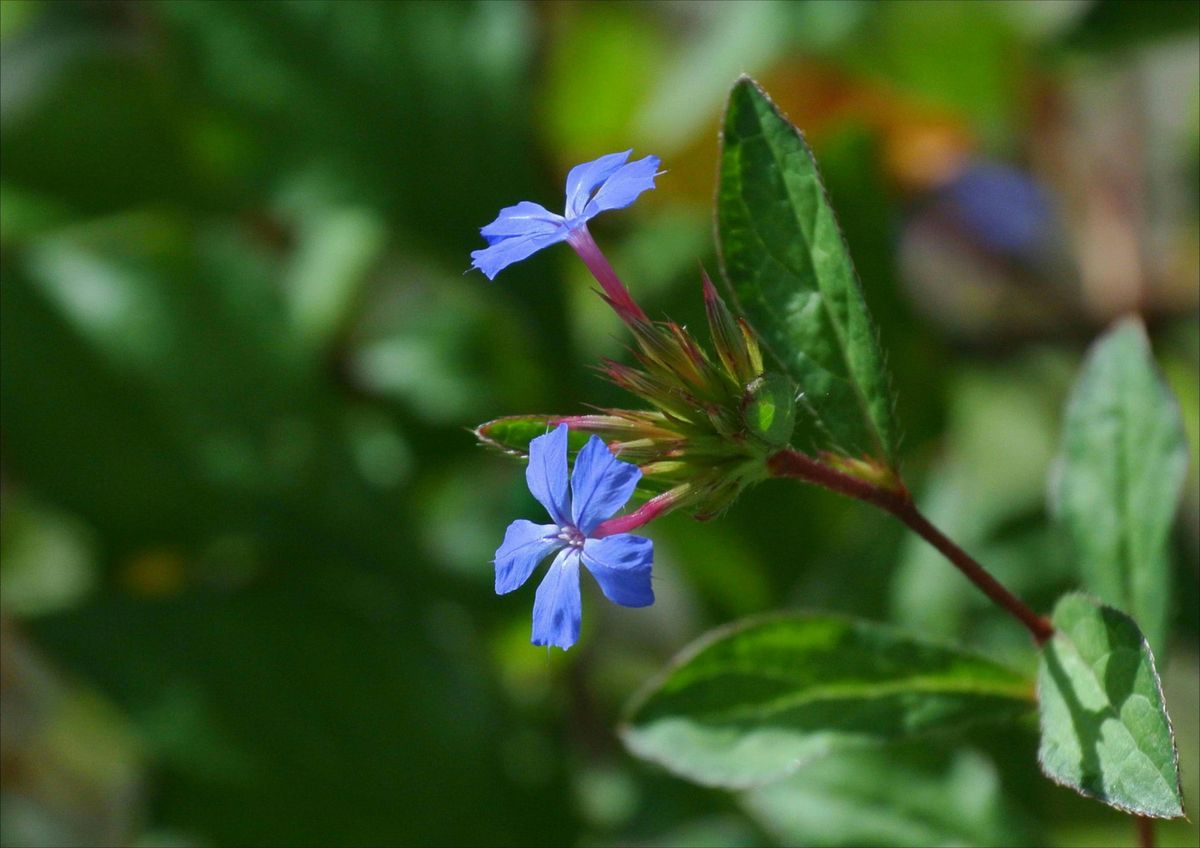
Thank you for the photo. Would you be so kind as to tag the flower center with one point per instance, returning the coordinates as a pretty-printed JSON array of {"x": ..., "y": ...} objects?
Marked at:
[{"x": 571, "y": 536}]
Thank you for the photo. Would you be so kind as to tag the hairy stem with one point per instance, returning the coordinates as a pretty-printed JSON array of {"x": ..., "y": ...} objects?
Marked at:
[{"x": 898, "y": 502}]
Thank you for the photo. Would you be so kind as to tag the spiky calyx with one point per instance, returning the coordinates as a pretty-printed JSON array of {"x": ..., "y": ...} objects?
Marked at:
[{"x": 712, "y": 420}]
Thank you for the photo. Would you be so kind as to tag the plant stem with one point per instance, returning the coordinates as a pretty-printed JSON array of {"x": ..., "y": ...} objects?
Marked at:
[
  {"x": 1145, "y": 831},
  {"x": 1038, "y": 626},
  {"x": 898, "y": 502}
]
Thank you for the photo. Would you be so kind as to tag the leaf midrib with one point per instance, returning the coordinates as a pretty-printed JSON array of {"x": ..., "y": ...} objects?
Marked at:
[
  {"x": 842, "y": 692},
  {"x": 1125, "y": 543}
]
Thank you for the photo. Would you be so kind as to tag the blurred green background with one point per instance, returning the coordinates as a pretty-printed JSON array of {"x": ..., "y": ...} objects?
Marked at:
[{"x": 247, "y": 592}]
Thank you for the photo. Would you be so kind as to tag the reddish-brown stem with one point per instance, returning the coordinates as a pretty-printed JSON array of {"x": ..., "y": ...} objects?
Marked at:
[
  {"x": 790, "y": 463},
  {"x": 1145, "y": 831}
]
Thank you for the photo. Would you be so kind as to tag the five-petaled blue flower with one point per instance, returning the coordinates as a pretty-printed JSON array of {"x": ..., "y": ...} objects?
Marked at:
[
  {"x": 600, "y": 485},
  {"x": 609, "y": 182}
]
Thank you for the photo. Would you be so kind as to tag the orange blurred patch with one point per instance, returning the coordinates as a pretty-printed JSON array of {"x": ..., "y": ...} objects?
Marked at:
[
  {"x": 154, "y": 573},
  {"x": 923, "y": 146}
]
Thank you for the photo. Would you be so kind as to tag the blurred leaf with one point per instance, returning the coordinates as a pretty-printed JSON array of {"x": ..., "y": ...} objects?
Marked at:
[
  {"x": 337, "y": 250},
  {"x": 727, "y": 831},
  {"x": 263, "y": 710},
  {"x": 25, "y": 214},
  {"x": 407, "y": 108},
  {"x": 892, "y": 797},
  {"x": 74, "y": 428},
  {"x": 963, "y": 57},
  {"x": 586, "y": 106},
  {"x": 87, "y": 121},
  {"x": 729, "y": 38},
  {"x": 753, "y": 702},
  {"x": 153, "y": 385},
  {"x": 1105, "y": 730},
  {"x": 49, "y": 559},
  {"x": 784, "y": 257},
  {"x": 1124, "y": 459},
  {"x": 1113, "y": 25},
  {"x": 18, "y": 14},
  {"x": 441, "y": 346}
]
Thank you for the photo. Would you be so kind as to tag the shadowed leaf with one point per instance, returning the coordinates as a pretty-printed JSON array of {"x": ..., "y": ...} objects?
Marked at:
[{"x": 1105, "y": 730}]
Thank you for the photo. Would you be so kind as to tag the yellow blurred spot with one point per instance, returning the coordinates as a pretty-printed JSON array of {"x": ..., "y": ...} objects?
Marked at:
[
  {"x": 154, "y": 573},
  {"x": 923, "y": 155}
]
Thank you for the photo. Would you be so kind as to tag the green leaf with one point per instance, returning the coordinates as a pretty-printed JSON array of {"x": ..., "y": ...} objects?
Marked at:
[
  {"x": 1123, "y": 463},
  {"x": 753, "y": 702},
  {"x": 1112, "y": 26},
  {"x": 910, "y": 795},
  {"x": 787, "y": 264},
  {"x": 1105, "y": 729}
]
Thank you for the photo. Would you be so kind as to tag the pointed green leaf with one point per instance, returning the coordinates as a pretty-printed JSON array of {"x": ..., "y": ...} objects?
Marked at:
[
  {"x": 753, "y": 702},
  {"x": 1105, "y": 730},
  {"x": 1121, "y": 473},
  {"x": 790, "y": 272}
]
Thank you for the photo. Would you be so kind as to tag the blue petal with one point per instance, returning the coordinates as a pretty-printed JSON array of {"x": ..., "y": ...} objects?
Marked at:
[
  {"x": 583, "y": 179},
  {"x": 525, "y": 545},
  {"x": 623, "y": 187},
  {"x": 524, "y": 219},
  {"x": 600, "y": 485},
  {"x": 556, "y": 609},
  {"x": 1002, "y": 207},
  {"x": 621, "y": 565},
  {"x": 546, "y": 474},
  {"x": 504, "y": 251}
]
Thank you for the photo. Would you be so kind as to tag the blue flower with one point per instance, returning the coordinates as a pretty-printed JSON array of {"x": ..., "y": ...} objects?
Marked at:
[
  {"x": 609, "y": 182},
  {"x": 620, "y": 562}
]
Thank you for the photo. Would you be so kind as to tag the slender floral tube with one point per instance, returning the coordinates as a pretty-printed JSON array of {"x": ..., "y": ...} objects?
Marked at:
[
  {"x": 643, "y": 515},
  {"x": 618, "y": 296}
]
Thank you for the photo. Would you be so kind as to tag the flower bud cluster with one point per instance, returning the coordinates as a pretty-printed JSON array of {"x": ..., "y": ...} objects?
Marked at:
[{"x": 712, "y": 420}]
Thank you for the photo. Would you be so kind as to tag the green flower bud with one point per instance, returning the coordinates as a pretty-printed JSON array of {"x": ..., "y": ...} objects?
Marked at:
[{"x": 769, "y": 409}]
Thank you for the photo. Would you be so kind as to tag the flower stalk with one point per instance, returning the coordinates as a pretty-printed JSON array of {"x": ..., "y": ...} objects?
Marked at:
[{"x": 899, "y": 503}]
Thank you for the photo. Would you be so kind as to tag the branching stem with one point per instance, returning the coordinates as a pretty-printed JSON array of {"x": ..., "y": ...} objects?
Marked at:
[{"x": 898, "y": 502}]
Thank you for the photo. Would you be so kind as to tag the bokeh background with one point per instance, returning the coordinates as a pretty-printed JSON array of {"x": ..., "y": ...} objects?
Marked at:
[{"x": 247, "y": 592}]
